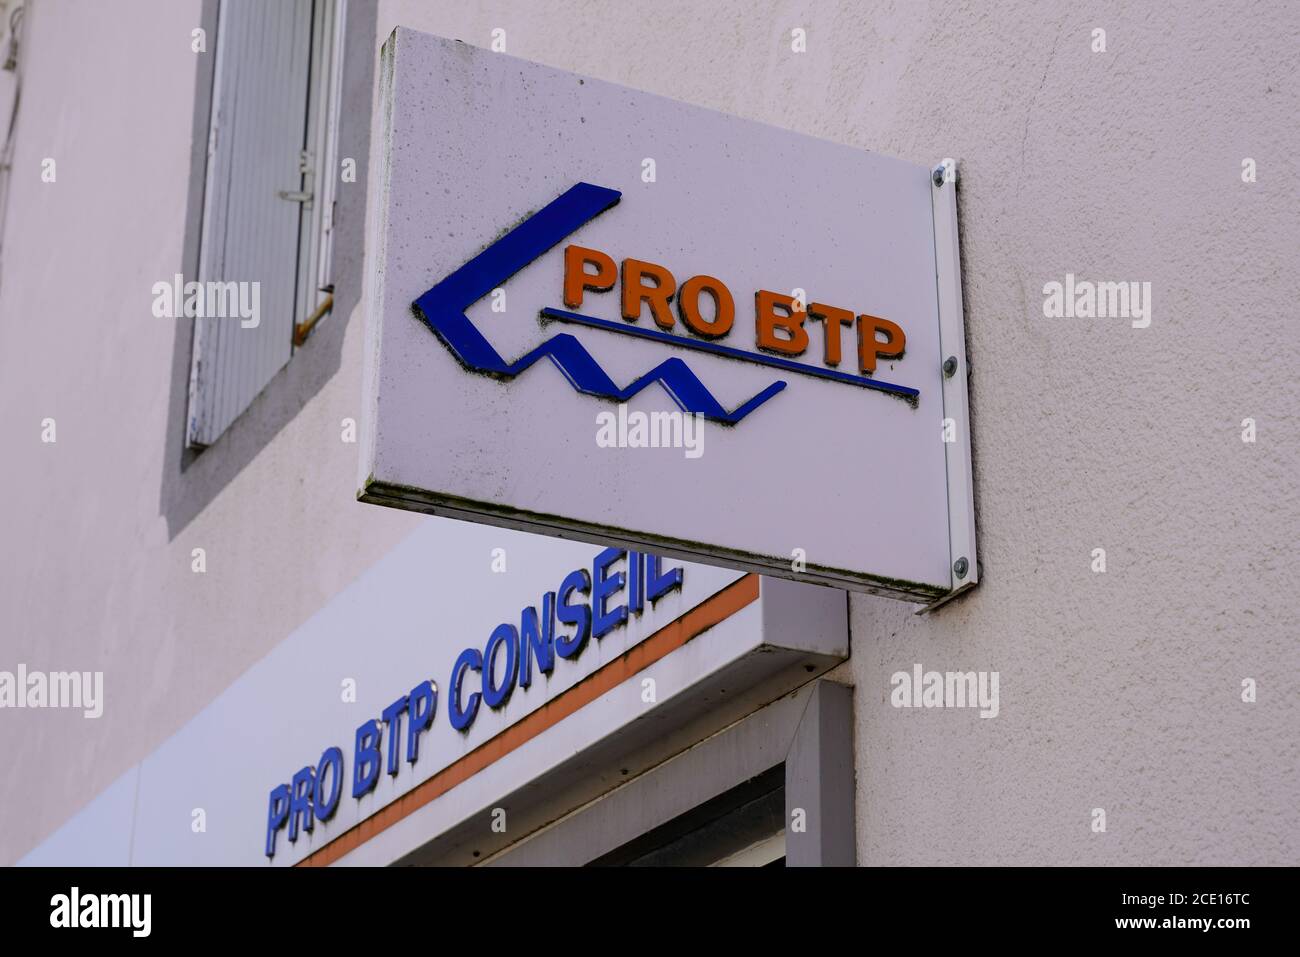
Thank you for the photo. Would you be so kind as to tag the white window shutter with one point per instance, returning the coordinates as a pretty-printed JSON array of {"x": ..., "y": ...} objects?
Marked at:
[{"x": 252, "y": 205}]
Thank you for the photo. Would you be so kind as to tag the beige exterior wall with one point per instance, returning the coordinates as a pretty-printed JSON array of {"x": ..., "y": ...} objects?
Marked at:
[
  {"x": 93, "y": 580},
  {"x": 1118, "y": 690}
]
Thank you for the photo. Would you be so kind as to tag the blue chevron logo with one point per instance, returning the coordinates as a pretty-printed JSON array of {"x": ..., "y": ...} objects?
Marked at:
[{"x": 443, "y": 307}]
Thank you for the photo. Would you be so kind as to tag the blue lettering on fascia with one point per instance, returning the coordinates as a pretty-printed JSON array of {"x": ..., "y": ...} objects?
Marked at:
[{"x": 589, "y": 603}]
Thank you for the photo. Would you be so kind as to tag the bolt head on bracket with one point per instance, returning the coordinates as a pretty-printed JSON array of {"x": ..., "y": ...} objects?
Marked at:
[{"x": 945, "y": 172}]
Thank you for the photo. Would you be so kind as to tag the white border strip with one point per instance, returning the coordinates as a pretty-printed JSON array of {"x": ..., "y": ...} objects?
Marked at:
[{"x": 956, "y": 391}]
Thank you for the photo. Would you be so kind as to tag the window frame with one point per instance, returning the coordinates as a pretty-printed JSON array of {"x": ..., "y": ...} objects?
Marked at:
[{"x": 191, "y": 477}]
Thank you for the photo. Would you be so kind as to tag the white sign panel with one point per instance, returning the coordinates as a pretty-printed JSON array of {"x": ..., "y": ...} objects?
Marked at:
[{"x": 605, "y": 315}]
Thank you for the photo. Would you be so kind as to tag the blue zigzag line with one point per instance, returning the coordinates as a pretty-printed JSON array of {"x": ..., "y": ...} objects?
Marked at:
[
  {"x": 443, "y": 309},
  {"x": 585, "y": 373}
]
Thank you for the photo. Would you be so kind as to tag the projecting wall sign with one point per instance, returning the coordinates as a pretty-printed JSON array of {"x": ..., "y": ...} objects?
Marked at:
[{"x": 798, "y": 300}]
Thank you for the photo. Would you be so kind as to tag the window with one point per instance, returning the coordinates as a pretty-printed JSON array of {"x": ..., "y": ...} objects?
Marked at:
[{"x": 264, "y": 246}]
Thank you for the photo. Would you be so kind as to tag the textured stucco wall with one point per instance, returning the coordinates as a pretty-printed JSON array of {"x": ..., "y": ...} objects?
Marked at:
[{"x": 1118, "y": 690}]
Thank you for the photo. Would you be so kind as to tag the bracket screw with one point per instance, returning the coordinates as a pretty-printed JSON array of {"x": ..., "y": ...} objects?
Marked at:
[
  {"x": 937, "y": 175},
  {"x": 960, "y": 566},
  {"x": 950, "y": 366}
]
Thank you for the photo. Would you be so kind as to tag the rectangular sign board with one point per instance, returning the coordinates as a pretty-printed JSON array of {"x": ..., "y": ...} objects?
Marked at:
[
  {"x": 434, "y": 689},
  {"x": 601, "y": 314}
]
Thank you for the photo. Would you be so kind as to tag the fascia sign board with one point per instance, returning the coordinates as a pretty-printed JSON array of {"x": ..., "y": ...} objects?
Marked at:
[
  {"x": 558, "y": 262},
  {"x": 639, "y": 648},
  {"x": 736, "y": 667}
]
